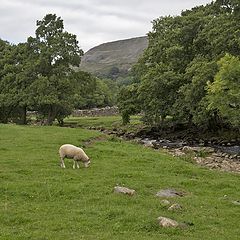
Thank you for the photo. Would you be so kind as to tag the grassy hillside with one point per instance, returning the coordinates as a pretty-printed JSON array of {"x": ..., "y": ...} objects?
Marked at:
[
  {"x": 121, "y": 54},
  {"x": 39, "y": 200}
]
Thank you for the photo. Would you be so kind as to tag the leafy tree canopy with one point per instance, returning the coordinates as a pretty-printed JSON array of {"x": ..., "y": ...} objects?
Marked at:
[{"x": 173, "y": 75}]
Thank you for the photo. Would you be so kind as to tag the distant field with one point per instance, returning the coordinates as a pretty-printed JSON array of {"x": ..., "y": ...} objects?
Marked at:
[
  {"x": 39, "y": 200},
  {"x": 106, "y": 121}
]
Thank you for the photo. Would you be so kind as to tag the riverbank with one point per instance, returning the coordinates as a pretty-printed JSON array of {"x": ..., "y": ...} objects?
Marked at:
[
  {"x": 215, "y": 150},
  {"x": 223, "y": 155}
]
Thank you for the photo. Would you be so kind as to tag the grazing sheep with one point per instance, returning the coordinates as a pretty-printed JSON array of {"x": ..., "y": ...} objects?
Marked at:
[{"x": 76, "y": 153}]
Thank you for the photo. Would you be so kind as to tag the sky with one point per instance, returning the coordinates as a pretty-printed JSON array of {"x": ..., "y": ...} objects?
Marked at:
[{"x": 93, "y": 21}]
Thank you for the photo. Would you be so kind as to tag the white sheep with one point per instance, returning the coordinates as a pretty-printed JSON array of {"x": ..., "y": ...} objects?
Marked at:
[{"x": 76, "y": 153}]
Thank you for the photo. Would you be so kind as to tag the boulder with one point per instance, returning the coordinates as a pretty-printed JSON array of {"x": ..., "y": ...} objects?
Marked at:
[
  {"x": 170, "y": 223},
  {"x": 167, "y": 222},
  {"x": 170, "y": 193},
  {"x": 198, "y": 149},
  {"x": 124, "y": 190},
  {"x": 148, "y": 142},
  {"x": 175, "y": 207},
  {"x": 236, "y": 202},
  {"x": 165, "y": 202}
]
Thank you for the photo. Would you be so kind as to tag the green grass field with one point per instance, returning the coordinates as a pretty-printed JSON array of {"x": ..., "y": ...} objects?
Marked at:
[
  {"x": 107, "y": 122},
  {"x": 39, "y": 200}
]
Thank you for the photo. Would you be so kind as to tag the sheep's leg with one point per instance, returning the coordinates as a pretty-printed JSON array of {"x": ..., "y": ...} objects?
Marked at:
[
  {"x": 77, "y": 164},
  {"x": 86, "y": 164},
  {"x": 73, "y": 164},
  {"x": 62, "y": 163}
]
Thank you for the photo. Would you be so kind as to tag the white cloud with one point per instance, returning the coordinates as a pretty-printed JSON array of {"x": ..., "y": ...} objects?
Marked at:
[{"x": 93, "y": 21}]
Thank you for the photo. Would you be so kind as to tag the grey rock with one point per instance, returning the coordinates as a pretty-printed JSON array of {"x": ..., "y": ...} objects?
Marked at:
[
  {"x": 177, "y": 152},
  {"x": 165, "y": 202},
  {"x": 236, "y": 202},
  {"x": 169, "y": 223},
  {"x": 124, "y": 190},
  {"x": 198, "y": 149},
  {"x": 170, "y": 193},
  {"x": 148, "y": 143},
  {"x": 175, "y": 207}
]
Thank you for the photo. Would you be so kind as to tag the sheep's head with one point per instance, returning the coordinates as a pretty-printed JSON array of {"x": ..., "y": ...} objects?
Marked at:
[{"x": 87, "y": 164}]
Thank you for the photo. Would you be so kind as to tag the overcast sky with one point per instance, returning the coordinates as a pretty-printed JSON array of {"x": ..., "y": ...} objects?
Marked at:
[{"x": 93, "y": 21}]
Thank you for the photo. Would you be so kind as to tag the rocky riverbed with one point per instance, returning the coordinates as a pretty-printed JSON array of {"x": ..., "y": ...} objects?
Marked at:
[
  {"x": 224, "y": 156},
  {"x": 214, "y": 157}
]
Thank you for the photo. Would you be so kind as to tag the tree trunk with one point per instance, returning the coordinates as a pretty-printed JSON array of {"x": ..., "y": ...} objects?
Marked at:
[
  {"x": 5, "y": 114},
  {"x": 24, "y": 115},
  {"x": 162, "y": 122},
  {"x": 215, "y": 122},
  {"x": 4, "y": 119},
  {"x": 60, "y": 121},
  {"x": 190, "y": 121},
  {"x": 51, "y": 115}
]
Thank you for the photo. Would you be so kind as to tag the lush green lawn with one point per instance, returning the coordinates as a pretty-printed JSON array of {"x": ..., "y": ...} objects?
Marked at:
[{"x": 39, "y": 200}]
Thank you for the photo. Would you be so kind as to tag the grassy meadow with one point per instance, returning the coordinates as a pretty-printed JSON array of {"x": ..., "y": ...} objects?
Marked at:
[
  {"x": 108, "y": 122},
  {"x": 39, "y": 200}
]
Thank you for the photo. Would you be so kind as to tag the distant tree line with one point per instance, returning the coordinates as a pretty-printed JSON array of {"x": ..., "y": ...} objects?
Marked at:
[
  {"x": 42, "y": 75},
  {"x": 190, "y": 70}
]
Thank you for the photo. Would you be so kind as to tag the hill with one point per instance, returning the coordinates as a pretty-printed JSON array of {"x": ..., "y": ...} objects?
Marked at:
[{"x": 113, "y": 59}]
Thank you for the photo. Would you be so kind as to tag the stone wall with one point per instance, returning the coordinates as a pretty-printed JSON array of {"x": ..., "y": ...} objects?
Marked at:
[{"x": 106, "y": 111}]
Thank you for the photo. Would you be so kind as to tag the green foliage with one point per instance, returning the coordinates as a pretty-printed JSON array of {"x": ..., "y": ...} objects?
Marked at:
[
  {"x": 57, "y": 52},
  {"x": 84, "y": 88},
  {"x": 192, "y": 102},
  {"x": 16, "y": 77},
  {"x": 224, "y": 92},
  {"x": 108, "y": 89},
  {"x": 57, "y": 48},
  {"x": 102, "y": 95},
  {"x": 158, "y": 95},
  {"x": 40, "y": 75},
  {"x": 181, "y": 59},
  {"x": 128, "y": 102},
  {"x": 123, "y": 81}
]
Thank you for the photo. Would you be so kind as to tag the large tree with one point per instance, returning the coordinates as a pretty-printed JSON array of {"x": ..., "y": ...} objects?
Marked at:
[
  {"x": 180, "y": 60},
  {"x": 4, "y": 59},
  {"x": 17, "y": 74},
  {"x": 57, "y": 53}
]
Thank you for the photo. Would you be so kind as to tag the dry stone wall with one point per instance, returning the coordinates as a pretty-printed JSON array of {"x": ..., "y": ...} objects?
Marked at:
[{"x": 95, "y": 112}]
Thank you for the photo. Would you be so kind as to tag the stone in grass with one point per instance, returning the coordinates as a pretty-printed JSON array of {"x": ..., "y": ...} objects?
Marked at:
[
  {"x": 170, "y": 193},
  {"x": 169, "y": 223},
  {"x": 165, "y": 202},
  {"x": 236, "y": 202},
  {"x": 124, "y": 190},
  {"x": 175, "y": 207}
]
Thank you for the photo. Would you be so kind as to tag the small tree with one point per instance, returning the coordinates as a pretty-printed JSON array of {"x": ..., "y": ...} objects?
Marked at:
[{"x": 128, "y": 103}]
